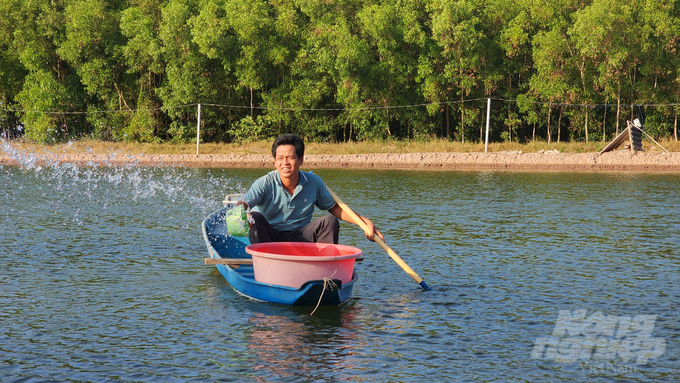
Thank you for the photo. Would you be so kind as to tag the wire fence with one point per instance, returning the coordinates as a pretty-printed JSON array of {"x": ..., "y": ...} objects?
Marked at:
[
  {"x": 504, "y": 126},
  {"x": 421, "y": 105}
]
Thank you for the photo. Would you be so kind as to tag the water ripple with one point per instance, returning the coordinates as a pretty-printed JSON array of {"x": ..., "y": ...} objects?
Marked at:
[{"x": 102, "y": 277}]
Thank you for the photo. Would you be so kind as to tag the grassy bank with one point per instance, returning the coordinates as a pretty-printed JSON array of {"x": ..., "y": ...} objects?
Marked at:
[{"x": 365, "y": 147}]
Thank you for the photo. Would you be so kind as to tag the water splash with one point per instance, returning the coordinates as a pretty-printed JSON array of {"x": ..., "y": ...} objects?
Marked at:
[
  {"x": 105, "y": 184},
  {"x": 25, "y": 159}
]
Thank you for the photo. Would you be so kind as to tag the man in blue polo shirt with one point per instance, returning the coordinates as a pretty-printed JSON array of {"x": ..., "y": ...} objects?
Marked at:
[{"x": 283, "y": 201}]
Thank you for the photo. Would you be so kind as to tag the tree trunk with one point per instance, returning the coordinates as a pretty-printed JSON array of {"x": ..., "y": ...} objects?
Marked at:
[
  {"x": 632, "y": 112},
  {"x": 618, "y": 107},
  {"x": 618, "y": 114},
  {"x": 462, "y": 120},
  {"x": 481, "y": 126},
  {"x": 252, "y": 107},
  {"x": 549, "y": 112},
  {"x": 604, "y": 123},
  {"x": 559, "y": 125},
  {"x": 509, "y": 126},
  {"x": 586, "y": 126},
  {"x": 448, "y": 126}
]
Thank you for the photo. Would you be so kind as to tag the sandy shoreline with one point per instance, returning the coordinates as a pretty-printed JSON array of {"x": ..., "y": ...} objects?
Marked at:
[{"x": 512, "y": 161}]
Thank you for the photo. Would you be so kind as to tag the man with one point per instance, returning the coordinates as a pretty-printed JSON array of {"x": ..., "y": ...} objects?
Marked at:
[{"x": 283, "y": 201}]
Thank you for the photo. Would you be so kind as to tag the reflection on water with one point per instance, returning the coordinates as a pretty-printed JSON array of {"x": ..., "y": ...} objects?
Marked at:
[
  {"x": 284, "y": 343},
  {"x": 314, "y": 348},
  {"x": 102, "y": 277}
]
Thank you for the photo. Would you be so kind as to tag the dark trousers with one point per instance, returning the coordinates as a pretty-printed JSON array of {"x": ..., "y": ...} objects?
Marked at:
[{"x": 325, "y": 229}]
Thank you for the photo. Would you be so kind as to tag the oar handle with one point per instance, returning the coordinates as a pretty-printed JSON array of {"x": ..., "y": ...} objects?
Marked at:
[{"x": 379, "y": 241}]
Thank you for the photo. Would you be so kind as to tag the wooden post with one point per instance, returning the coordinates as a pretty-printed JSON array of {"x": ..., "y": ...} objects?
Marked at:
[
  {"x": 228, "y": 261},
  {"x": 488, "y": 116},
  {"x": 198, "y": 129}
]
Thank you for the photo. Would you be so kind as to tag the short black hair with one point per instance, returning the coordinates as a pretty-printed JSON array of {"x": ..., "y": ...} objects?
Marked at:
[{"x": 289, "y": 139}]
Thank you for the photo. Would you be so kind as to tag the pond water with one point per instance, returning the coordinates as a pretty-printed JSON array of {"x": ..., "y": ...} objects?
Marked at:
[{"x": 103, "y": 280}]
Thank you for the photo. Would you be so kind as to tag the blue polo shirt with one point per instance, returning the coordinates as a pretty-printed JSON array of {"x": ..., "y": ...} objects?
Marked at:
[{"x": 283, "y": 211}]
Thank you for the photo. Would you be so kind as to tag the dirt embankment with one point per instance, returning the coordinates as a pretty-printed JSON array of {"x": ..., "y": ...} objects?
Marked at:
[{"x": 542, "y": 161}]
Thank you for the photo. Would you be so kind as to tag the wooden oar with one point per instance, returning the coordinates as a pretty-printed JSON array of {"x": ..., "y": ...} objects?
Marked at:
[
  {"x": 379, "y": 241},
  {"x": 241, "y": 261},
  {"x": 228, "y": 261}
]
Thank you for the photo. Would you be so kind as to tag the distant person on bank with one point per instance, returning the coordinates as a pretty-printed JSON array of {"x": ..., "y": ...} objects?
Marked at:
[{"x": 283, "y": 201}]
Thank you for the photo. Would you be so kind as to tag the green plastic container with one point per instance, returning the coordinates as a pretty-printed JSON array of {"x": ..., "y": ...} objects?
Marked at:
[{"x": 237, "y": 222}]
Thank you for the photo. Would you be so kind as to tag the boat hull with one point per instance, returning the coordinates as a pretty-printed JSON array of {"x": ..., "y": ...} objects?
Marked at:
[{"x": 241, "y": 277}]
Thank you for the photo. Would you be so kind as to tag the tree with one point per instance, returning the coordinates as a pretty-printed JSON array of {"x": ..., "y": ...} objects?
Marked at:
[
  {"x": 608, "y": 34},
  {"x": 143, "y": 52},
  {"x": 660, "y": 66},
  {"x": 50, "y": 87},
  {"x": 191, "y": 76},
  {"x": 560, "y": 72},
  {"x": 453, "y": 63},
  {"x": 510, "y": 25},
  {"x": 334, "y": 69},
  {"x": 217, "y": 42},
  {"x": 93, "y": 47},
  {"x": 12, "y": 73}
]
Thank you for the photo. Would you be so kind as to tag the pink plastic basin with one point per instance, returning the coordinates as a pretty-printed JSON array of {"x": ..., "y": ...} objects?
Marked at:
[{"x": 294, "y": 263}]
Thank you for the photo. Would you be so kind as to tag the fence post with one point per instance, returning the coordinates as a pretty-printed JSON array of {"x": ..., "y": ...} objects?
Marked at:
[
  {"x": 198, "y": 129},
  {"x": 488, "y": 115}
]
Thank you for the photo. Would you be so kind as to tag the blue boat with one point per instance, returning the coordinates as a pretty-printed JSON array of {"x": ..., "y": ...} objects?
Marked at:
[{"x": 238, "y": 270}]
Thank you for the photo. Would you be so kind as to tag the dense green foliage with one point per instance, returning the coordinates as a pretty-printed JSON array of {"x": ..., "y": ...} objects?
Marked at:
[{"x": 338, "y": 69}]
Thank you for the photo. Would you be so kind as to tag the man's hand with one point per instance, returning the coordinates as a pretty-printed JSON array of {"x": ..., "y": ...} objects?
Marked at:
[
  {"x": 373, "y": 230},
  {"x": 245, "y": 207}
]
